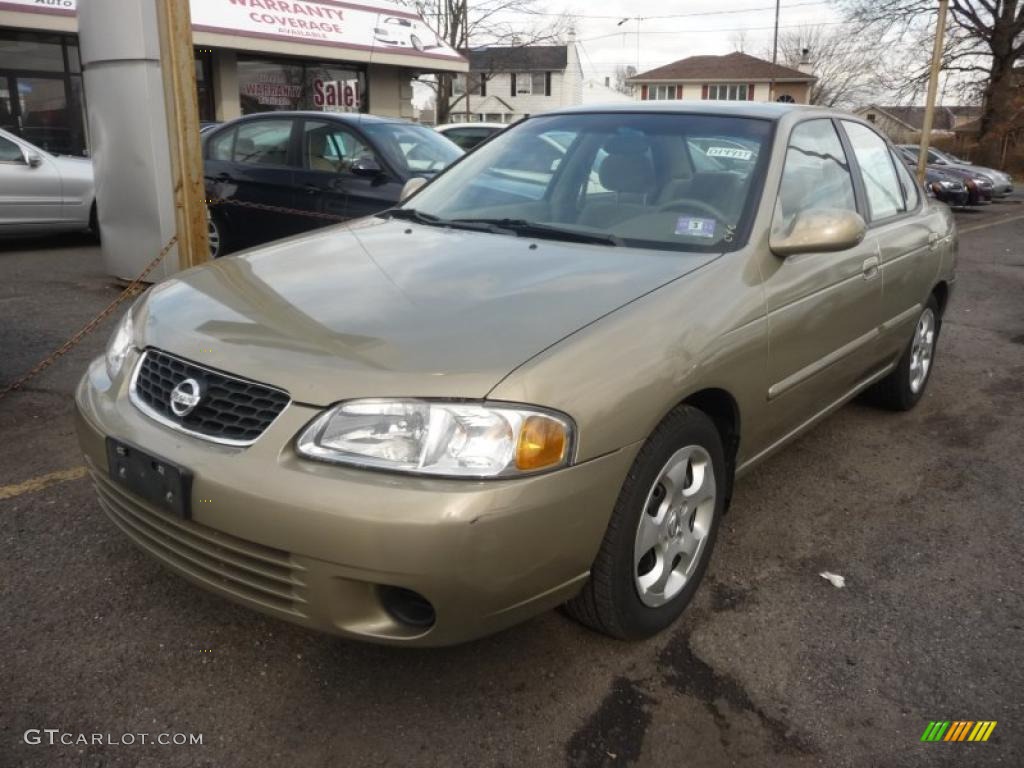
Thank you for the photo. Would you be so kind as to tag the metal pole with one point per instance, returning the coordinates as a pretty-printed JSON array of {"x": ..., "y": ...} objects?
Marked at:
[
  {"x": 638, "y": 20},
  {"x": 178, "y": 67},
  {"x": 933, "y": 84}
]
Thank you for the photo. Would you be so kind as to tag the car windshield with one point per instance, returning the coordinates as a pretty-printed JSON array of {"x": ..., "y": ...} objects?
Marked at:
[
  {"x": 666, "y": 181},
  {"x": 413, "y": 150}
]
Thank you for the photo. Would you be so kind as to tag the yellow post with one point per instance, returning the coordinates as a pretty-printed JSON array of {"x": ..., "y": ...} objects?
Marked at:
[
  {"x": 177, "y": 62},
  {"x": 933, "y": 86}
]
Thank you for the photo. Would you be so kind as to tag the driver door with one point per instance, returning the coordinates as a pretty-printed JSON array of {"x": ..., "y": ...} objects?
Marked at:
[
  {"x": 824, "y": 309},
  {"x": 30, "y": 196}
]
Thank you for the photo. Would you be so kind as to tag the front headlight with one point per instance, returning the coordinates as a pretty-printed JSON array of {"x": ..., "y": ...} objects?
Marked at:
[
  {"x": 120, "y": 342},
  {"x": 440, "y": 438}
]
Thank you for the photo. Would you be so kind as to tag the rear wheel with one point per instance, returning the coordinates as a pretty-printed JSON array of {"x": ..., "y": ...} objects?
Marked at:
[
  {"x": 661, "y": 533},
  {"x": 415, "y": 42},
  {"x": 215, "y": 235},
  {"x": 903, "y": 388}
]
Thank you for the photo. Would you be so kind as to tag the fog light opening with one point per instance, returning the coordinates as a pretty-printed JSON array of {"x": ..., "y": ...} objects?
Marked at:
[{"x": 407, "y": 607}]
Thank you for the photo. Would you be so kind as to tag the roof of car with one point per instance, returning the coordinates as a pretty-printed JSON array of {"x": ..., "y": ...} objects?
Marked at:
[
  {"x": 763, "y": 110},
  {"x": 347, "y": 117},
  {"x": 452, "y": 126}
]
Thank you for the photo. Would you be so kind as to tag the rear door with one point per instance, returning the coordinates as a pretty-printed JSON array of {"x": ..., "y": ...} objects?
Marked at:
[
  {"x": 30, "y": 196},
  {"x": 824, "y": 309},
  {"x": 906, "y": 233},
  {"x": 253, "y": 162}
]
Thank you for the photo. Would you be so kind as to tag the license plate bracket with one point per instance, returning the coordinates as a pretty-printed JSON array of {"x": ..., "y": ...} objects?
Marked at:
[{"x": 160, "y": 482}]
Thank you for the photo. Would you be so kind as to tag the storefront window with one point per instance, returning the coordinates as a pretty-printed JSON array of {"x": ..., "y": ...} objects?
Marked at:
[
  {"x": 204, "y": 85},
  {"x": 265, "y": 86},
  {"x": 28, "y": 51}
]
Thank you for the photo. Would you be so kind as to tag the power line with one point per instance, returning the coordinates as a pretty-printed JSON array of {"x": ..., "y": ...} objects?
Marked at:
[
  {"x": 677, "y": 15},
  {"x": 706, "y": 31}
]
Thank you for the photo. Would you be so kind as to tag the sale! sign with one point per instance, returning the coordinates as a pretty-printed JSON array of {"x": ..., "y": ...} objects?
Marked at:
[{"x": 336, "y": 95}]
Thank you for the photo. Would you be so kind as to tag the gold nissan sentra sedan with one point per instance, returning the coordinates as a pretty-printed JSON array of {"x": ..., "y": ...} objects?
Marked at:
[{"x": 532, "y": 384}]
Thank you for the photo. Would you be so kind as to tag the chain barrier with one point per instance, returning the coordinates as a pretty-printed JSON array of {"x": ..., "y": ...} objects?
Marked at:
[
  {"x": 133, "y": 288},
  {"x": 130, "y": 291}
]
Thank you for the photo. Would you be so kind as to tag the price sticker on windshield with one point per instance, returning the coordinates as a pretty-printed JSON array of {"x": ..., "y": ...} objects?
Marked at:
[
  {"x": 731, "y": 153},
  {"x": 686, "y": 225}
]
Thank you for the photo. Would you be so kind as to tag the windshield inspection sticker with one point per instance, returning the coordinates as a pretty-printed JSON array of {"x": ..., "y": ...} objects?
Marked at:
[
  {"x": 686, "y": 225},
  {"x": 730, "y": 152}
]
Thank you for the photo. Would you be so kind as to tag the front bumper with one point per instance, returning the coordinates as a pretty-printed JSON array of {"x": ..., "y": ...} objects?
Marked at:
[{"x": 315, "y": 544}]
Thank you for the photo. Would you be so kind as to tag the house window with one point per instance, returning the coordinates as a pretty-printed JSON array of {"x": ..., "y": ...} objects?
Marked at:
[
  {"x": 661, "y": 92},
  {"x": 728, "y": 92},
  {"x": 530, "y": 83},
  {"x": 872, "y": 117}
]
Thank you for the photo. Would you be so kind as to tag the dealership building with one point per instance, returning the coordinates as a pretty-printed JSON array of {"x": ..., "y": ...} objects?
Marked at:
[{"x": 251, "y": 56}]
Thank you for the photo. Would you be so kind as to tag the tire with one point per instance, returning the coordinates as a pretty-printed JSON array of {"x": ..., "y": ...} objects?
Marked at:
[
  {"x": 415, "y": 42},
  {"x": 902, "y": 389},
  {"x": 216, "y": 234},
  {"x": 622, "y": 598},
  {"x": 94, "y": 222}
]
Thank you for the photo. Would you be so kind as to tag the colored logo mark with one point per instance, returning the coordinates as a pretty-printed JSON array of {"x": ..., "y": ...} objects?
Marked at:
[{"x": 958, "y": 730}]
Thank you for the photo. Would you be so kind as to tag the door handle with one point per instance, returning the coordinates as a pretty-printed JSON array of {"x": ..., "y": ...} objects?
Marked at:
[
  {"x": 223, "y": 177},
  {"x": 870, "y": 268},
  {"x": 933, "y": 240},
  {"x": 313, "y": 189}
]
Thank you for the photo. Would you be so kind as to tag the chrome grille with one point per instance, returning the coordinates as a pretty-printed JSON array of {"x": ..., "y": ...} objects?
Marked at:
[
  {"x": 249, "y": 571},
  {"x": 232, "y": 410}
]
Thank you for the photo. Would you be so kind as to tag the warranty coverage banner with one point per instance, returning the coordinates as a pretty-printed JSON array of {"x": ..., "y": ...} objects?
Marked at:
[{"x": 364, "y": 26}]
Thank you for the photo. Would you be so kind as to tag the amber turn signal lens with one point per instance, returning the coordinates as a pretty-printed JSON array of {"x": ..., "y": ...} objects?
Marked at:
[{"x": 543, "y": 442}]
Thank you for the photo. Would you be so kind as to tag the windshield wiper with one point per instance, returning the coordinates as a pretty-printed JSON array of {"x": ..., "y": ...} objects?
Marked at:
[
  {"x": 411, "y": 214},
  {"x": 524, "y": 228}
]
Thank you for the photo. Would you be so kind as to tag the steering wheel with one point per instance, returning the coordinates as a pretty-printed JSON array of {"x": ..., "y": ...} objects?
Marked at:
[{"x": 689, "y": 204}]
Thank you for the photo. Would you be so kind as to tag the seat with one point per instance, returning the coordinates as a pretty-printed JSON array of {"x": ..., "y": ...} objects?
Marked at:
[
  {"x": 316, "y": 149},
  {"x": 629, "y": 173}
]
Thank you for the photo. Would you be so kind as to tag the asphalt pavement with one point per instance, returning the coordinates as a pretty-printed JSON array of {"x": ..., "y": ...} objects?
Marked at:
[{"x": 772, "y": 665}]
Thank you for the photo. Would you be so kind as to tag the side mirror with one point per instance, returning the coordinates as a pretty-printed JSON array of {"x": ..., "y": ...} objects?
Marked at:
[
  {"x": 819, "y": 231},
  {"x": 33, "y": 159},
  {"x": 412, "y": 186},
  {"x": 366, "y": 166}
]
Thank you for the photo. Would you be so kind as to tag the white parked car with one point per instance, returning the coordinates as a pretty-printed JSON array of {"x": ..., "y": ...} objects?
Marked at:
[
  {"x": 469, "y": 135},
  {"x": 42, "y": 193}
]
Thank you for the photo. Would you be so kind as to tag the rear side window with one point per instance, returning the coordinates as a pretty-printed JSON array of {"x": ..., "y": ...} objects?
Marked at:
[
  {"x": 221, "y": 146},
  {"x": 885, "y": 196},
  {"x": 910, "y": 194},
  {"x": 263, "y": 142},
  {"x": 10, "y": 152},
  {"x": 816, "y": 175}
]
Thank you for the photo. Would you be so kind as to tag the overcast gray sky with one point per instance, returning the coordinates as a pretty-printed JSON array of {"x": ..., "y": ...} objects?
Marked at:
[{"x": 674, "y": 29}]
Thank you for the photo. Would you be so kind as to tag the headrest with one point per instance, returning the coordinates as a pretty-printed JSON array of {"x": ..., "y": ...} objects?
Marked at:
[
  {"x": 628, "y": 173},
  {"x": 627, "y": 144}
]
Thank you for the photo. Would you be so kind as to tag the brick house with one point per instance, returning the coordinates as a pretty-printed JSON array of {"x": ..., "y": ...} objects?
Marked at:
[
  {"x": 733, "y": 77},
  {"x": 509, "y": 83}
]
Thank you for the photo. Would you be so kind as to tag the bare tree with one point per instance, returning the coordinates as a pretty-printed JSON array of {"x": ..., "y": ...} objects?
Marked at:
[
  {"x": 740, "y": 40},
  {"x": 620, "y": 80},
  {"x": 486, "y": 22},
  {"x": 984, "y": 43},
  {"x": 848, "y": 71}
]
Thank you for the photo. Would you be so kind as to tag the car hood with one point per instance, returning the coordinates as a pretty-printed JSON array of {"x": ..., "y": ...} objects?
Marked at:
[{"x": 387, "y": 308}]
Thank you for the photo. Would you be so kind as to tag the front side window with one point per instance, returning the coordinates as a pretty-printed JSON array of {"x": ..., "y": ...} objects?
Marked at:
[
  {"x": 728, "y": 92},
  {"x": 10, "y": 152},
  {"x": 222, "y": 145},
  {"x": 658, "y": 181},
  {"x": 412, "y": 149},
  {"x": 332, "y": 148},
  {"x": 885, "y": 198},
  {"x": 263, "y": 142},
  {"x": 816, "y": 174}
]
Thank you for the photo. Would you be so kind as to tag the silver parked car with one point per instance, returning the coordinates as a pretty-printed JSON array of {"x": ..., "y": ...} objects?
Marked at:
[
  {"x": 42, "y": 193},
  {"x": 1002, "y": 183}
]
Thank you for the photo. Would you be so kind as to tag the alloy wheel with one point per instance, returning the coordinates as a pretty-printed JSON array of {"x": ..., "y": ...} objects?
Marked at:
[
  {"x": 213, "y": 236},
  {"x": 674, "y": 526},
  {"x": 921, "y": 350}
]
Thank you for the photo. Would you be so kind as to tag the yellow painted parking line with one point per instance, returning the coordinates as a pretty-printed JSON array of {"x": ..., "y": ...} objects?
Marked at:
[
  {"x": 995, "y": 223},
  {"x": 41, "y": 482}
]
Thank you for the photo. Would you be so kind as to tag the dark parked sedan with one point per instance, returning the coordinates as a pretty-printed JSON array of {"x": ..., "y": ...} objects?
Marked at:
[
  {"x": 947, "y": 188},
  {"x": 343, "y": 165}
]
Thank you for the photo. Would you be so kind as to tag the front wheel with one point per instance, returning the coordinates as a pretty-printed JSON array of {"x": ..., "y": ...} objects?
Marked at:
[
  {"x": 661, "y": 533},
  {"x": 904, "y": 387}
]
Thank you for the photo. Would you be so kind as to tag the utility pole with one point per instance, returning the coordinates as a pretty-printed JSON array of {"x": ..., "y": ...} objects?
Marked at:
[
  {"x": 933, "y": 83},
  {"x": 775, "y": 50}
]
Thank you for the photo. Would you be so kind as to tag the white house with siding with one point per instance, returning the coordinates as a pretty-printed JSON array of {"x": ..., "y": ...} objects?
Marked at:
[{"x": 506, "y": 84}]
